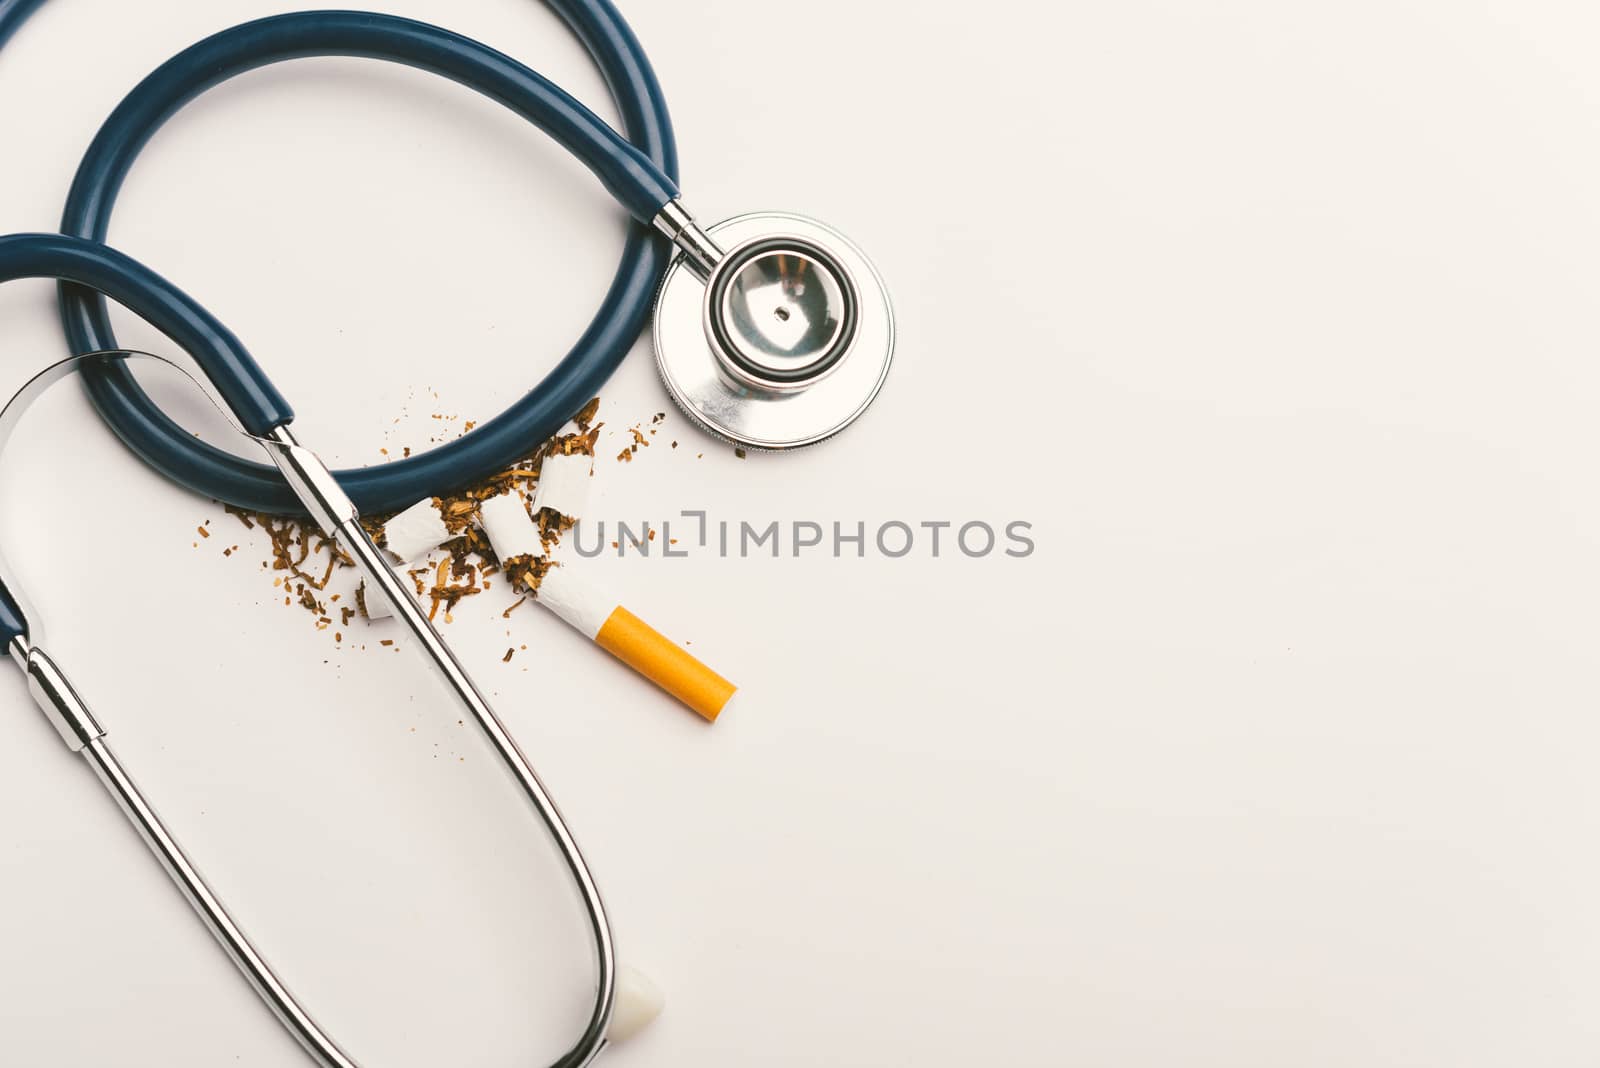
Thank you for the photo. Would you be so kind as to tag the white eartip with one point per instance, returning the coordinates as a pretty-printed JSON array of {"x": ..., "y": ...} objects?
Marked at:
[{"x": 638, "y": 1002}]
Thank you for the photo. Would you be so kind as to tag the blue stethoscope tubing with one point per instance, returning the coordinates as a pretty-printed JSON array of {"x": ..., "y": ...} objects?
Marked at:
[
  {"x": 641, "y": 171},
  {"x": 234, "y": 373}
]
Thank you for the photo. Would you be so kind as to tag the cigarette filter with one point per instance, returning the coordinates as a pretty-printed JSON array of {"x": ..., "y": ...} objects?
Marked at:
[{"x": 634, "y": 642}]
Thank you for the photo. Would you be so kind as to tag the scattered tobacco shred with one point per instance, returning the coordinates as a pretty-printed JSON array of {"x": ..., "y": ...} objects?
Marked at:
[
  {"x": 640, "y": 440},
  {"x": 303, "y": 561}
]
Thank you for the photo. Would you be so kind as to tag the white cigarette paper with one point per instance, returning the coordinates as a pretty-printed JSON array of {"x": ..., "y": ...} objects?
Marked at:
[
  {"x": 512, "y": 533},
  {"x": 575, "y": 601},
  {"x": 564, "y": 484},
  {"x": 416, "y": 530},
  {"x": 376, "y": 604},
  {"x": 631, "y": 640}
]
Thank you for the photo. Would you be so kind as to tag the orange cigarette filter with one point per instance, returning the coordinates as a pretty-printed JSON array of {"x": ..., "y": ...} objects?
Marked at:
[
  {"x": 635, "y": 642},
  {"x": 664, "y": 662}
]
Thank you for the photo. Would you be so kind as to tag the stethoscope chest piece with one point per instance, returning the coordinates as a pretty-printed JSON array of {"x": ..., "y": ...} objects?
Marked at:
[{"x": 783, "y": 340}]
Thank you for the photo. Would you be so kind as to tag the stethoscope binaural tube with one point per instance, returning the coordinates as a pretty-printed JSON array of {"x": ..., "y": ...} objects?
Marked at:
[{"x": 641, "y": 174}]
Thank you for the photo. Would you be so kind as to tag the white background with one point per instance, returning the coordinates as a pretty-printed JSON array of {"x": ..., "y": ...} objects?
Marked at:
[{"x": 1276, "y": 320}]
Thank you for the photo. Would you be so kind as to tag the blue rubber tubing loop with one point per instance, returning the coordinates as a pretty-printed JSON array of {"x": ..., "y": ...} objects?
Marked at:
[
  {"x": 643, "y": 175},
  {"x": 219, "y": 353},
  {"x": 245, "y": 388},
  {"x": 12, "y": 12},
  {"x": 12, "y": 625}
]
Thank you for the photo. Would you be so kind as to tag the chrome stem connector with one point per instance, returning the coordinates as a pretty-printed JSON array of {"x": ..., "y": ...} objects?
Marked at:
[
  {"x": 700, "y": 251},
  {"x": 67, "y": 712}
]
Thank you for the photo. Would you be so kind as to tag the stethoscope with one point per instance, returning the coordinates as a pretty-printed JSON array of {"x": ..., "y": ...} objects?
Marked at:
[{"x": 771, "y": 331}]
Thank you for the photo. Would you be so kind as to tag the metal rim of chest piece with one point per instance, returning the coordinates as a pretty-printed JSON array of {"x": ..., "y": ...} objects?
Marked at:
[{"x": 783, "y": 340}]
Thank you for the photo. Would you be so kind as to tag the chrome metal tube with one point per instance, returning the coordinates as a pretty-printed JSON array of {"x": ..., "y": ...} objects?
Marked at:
[
  {"x": 369, "y": 558},
  {"x": 323, "y": 498},
  {"x": 272, "y": 990},
  {"x": 76, "y": 724},
  {"x": 283, "y": 1004}
]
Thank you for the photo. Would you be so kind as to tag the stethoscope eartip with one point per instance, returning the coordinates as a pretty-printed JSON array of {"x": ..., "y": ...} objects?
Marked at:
[
  {"x": 783, "y": 340},
  {"x": 638, "y": 1002}
]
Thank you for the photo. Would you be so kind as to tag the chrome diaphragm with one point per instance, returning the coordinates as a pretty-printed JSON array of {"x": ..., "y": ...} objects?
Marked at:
[{"x": 772, "y": 330}]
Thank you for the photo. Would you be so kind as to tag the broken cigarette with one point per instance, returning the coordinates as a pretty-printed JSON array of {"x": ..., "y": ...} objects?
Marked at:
[
  {"x": 618, "y": 631},
  {"x": 564, "y": 483},
  {"x": 414, "y": 532},
  {"x": 417, "y": 530},
  {"x": 634, "y": 642},
  {"x": 512, "y": 533}
]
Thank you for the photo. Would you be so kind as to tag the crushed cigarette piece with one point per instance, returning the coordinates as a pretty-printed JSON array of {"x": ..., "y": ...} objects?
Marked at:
[
  {"x": 564, "y": 482},
  {"x": 373, "y": 604},
  {"x": 512, "y": 532},
  {"x": 416, "y": 530}
]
